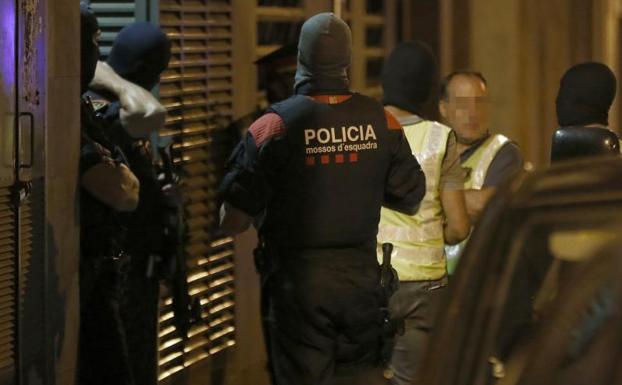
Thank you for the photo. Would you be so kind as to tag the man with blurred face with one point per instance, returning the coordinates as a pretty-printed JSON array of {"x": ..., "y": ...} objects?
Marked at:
[{"x": 489, "y": 159}]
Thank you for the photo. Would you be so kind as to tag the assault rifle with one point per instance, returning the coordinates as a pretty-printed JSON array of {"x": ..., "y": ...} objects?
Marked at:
[{"x": 186, "y": 310}]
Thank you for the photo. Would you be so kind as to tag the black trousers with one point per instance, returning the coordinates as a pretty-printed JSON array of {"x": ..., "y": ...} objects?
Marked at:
[
  {"x": 102, "y": 355},
  {"x": 140, "y": 308},
  {"x": 325, "y": 318},
  {"x": 416, "y": 303}
]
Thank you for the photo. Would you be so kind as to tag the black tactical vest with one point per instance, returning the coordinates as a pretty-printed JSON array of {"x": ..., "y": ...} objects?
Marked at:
[
  {"x": 145, "y": 224},
  {"x": 101, "y": 230},
  {"x": 328, "y": 175}
]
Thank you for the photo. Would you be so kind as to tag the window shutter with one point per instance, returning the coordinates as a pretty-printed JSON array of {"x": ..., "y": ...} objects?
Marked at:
[
  {"x": 32, "y": 257},
  {"x": 7, "y": 286},
  {"x": 197, "y": 92},
  {"x": 113, "y": 16}
]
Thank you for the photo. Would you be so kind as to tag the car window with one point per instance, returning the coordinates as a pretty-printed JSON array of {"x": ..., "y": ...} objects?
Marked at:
[
  {"x": 568, "y": 247},
  {"x": 581, "y": 341},
  {"x": 543, "y": 255},
  {"x": 580, "y": 244}
]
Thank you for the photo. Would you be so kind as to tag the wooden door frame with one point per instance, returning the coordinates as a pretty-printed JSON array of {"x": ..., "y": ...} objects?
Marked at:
[{"x": 62, "y": 146}]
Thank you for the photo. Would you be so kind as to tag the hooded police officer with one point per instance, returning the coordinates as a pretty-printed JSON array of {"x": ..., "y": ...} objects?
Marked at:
[
  {"x": 108, "y": 188},
  {"x": 139, "y": 54},
  {"x": 489, "y": 159},
  {"x": 312, "y": 173},
  {"x": 585, "y": 94}
]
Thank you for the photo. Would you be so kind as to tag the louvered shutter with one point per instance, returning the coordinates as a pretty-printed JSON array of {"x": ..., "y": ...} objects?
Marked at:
[
  {"x": 7, "y": 287},
  {"x": 196, "y": 90},
  {"x": 114, "y": 15},
  {"x": 32, "y": 261},
  {"x": 31, "y": 243}
]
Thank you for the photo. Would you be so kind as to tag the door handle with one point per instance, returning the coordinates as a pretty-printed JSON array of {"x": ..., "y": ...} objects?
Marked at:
[{"x": 31, "y": 119}]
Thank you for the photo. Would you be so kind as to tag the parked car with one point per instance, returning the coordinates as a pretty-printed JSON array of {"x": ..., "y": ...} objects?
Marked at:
[
  {"x": 523, "y": 269},
  {"x": 580, "y": 342}
]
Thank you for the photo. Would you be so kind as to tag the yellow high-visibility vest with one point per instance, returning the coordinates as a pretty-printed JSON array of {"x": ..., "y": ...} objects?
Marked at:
[
  {"x": 478, "y": 164},
  {"x": 418, "y": 241}
]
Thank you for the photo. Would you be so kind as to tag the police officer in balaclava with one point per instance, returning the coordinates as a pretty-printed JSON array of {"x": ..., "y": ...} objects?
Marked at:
[
  {"x": 139, "y": 54},
  {"x": 421, "y": 263},
  {"x": 312, "y": 174},
  {"x": 408, "y": 76},
  {"x": 108, "y": 188},
  {"x": 585, "y": 94}
]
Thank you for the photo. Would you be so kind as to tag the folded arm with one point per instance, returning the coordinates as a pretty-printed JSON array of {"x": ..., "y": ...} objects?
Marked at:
[
  {"x": 112, "y": 184},
  {"x": 457, "y": 225}
]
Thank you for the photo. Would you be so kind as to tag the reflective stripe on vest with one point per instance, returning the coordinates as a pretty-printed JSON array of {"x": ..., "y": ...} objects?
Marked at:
[
  {"x": 412, "y": 234},
  {"x": 417, "y": 240},
  {"x": 479, "y": 163},
  {"x": 481, "y": 159}
]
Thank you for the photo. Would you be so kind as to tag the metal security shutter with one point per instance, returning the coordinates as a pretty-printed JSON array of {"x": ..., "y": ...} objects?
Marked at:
[
  {"x": 31, "y": 232},
  {"x": 197, "y": 92},
  {"x": 32, "y": 276},
  {"x": 7, "y": 283},
  {"x": 114, "y": 15}
]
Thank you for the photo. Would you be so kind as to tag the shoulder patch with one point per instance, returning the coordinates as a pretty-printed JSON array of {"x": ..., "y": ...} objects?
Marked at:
[
  {"x": 266, "y": 127},
  {"x": 392, "y": 122},
  {"x": 331, "y": 99}
]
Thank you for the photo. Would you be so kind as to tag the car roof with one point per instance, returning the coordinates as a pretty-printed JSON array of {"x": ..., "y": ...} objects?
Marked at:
[{"x": 588, "y": 180}]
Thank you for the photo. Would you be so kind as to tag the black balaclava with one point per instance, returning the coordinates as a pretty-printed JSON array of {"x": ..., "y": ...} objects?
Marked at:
[
  {"x": 89, "y": 50},
  {"x": 324, "y": 55},
  {"x": 140, "y": 54},
  {"x": 407, "y": 76},
  {"x": 586, "y": 92}
]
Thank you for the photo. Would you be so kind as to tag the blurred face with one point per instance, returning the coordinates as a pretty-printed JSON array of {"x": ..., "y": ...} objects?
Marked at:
[{"x": 466, "y": 108}]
